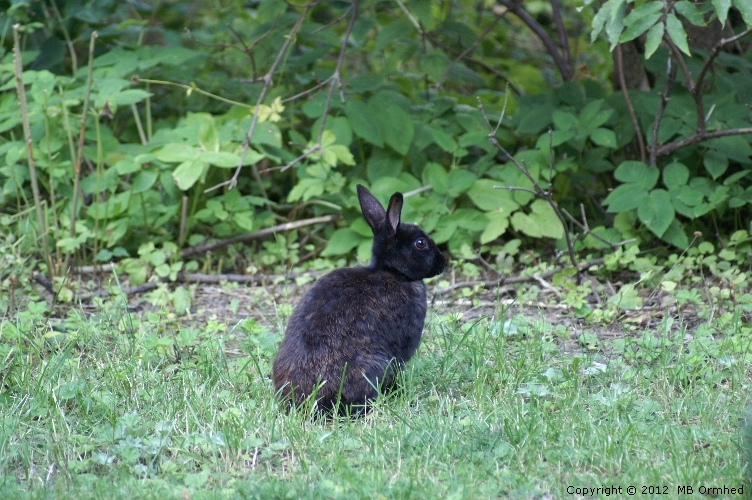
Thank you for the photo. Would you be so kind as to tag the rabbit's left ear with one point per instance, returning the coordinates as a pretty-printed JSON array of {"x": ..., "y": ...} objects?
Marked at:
[
  {"x": 372, "y": 209},
  {"x": 393, "y": 212}
]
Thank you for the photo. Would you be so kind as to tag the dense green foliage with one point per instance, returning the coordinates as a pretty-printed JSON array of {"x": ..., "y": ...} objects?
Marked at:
[{"x": 384, "y": 93}]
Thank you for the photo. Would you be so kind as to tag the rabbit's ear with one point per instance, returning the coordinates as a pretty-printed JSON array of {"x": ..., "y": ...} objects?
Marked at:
[
  {"x": 393, "y": 212},
  {"x": 372, "y": 209}
]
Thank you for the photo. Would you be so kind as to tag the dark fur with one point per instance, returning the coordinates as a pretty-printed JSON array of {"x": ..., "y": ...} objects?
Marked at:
[{"x": 363, "y": 321}]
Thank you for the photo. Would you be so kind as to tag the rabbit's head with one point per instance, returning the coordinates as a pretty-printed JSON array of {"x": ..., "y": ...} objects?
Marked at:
[{"x": 400, "y": 248}]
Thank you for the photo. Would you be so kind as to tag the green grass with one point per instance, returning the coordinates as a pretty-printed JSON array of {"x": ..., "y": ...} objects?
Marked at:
[{"x": 496, "y": 408}]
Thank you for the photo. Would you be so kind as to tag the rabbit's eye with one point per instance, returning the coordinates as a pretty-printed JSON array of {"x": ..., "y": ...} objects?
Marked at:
[{"x": 421, "y": 243}]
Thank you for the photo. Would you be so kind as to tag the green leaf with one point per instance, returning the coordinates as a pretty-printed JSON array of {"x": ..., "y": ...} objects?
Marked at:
[
  {"x": 341, "y": 242},
  {"x": 266, "y": 133},
  {"x": 675, "y": 235},
  {"x": 640, "y": 20},
  {"x": 208, "y": 136},
  {"x": 175, "y": 152},
  {"x": 599, "y": 20},
  {"x": 689, "y": 196},
  {"x": 557, "y": 138},
  {"x": 656, "y": 211},
  {"x": 399, "y": 28},
  {"x": 604, "y": 137},
  {"x": 541, "y": 222},
  {"x": 444, "y": 140},
  {"x": 187, "y": 173},
  {"x": 676, "y": 33},
  {"x": 144, "y": 180},
  {"x": 435, "y": 175},
  {"x": 383, "y": 163},
  {"x": 470, "y": 219},
  {"x": 690, "y": 12},
  {"x": 363, "y": 122},
  {"x": 721, "y": 9},
  {"x": 127, "y": 166},
  {"x": 735, "y": 147},
  {"x": 625, "y": 197},
  {"x": 340, "y": 153},
  {"x": 130, "y": 96},
  {"x": 445, "y": 229},
  {"x": 615, "y": 22},
  {"x": 535, "y": 120},
  {"x": 498, "y": 222},
  {"x": 251, "y": 156},
  {"x": 653, "y": 39},
  {"x": 486, "y": 197},
  {"x": 460, "y": 181},
  {"x": 221, "y": 159},
  {"x": 434, "y": 63},
  {"x": 637, "y": 172},
  {"x": 397, "y": 127},
  {"x": 564, "y": 121},
  {"x": 306, "y": 189},
  {"x": 745, "y": 8},
  {"x": 675, "y": 175},
  {"x": 627, "y": 298}
]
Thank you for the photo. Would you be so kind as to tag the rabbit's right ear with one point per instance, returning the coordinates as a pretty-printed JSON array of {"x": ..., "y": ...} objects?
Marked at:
[
  {"x": 393, "y": 212},
  {"x": 373, "y": 212}
]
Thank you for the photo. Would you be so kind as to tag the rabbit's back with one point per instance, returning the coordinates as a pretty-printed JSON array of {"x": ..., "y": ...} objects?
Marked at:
[{"x": 358, "y": 318}]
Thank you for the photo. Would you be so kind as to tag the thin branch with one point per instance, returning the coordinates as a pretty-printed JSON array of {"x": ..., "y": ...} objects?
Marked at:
[
  {"x": 470, "y": 48},
  {"x": 191, "y": 88},
  {"x": 409, "y": 16},
  {"x": 289, "y": 226},
  {"x": 628, "y": 102},
  {"x": 715, "y": 51},
  {"x": 421, "y": 189},
  {"x": 435, "y": 41},
  {"x": 334, "y": 80},
  {"x": 587, "y": 231},
  {"x": 21, "y": 93},
  {"x": 545, "y": 194},
  {"x": 563, "y": 39},
  {"x": 670, "y": 77},
  {"x": 267, "y": 79},
  {"x": 516, "y": 279},
  {"x": 693, "y": 89},
  {"x": 674, "y": 146},
  {"x": 564, "y": 65}
]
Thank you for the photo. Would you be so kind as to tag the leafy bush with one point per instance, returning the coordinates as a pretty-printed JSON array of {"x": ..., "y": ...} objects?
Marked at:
[{"x": 311, "y": 100}]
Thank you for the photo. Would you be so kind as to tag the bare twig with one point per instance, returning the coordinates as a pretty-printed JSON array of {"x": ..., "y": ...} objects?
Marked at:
[
  {"x": 289, "y": 226},
  {"x": 674, "y": 146},
  {"x": 714, "y": 53},
  {"x": 334, "y": 81},
  {"x": 697, "y": 96},
  {"x": 695, "y": 89},
  {"x": 587, "y": 231},
  {"x": 563, "y": 39},
  {"x": 545, "y": 194},
  {"x": 81, "y": 132},
  {"x": 561, "y": 60},
  {"x": 628, "y": 102},
  {"x": 267, "y": 79},
  {"x": 515, "y": 279},
  {"x": 670, "y": 77},
  {"x": 421, "y": 189},
  {"x": 21, "y": 92}
]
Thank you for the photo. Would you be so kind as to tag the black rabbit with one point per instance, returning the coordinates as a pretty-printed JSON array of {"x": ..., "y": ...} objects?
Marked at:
[{"x": 361, "y": 322}]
